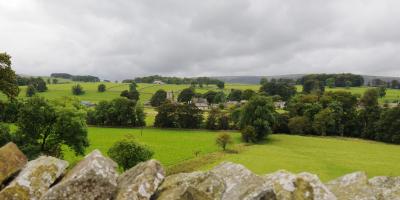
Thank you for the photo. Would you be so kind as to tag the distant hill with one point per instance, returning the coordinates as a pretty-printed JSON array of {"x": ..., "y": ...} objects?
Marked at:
[{"x": 256, "y": 79}]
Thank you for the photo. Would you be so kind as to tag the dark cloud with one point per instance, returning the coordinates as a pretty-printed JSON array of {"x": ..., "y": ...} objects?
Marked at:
[{"x": 121, "y": 38}]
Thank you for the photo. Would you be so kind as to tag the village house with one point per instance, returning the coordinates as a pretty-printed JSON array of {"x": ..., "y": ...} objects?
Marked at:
[
  {"x": 158, "y": 82},
  {"x": 279, "y": 104}
]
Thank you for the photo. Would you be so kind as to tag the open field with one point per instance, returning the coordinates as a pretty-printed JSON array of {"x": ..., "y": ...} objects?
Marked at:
[
  {"x": 328, "y": 157},
  {"x": 171, "y": 146},
  {"x": 59, "y": 91}
]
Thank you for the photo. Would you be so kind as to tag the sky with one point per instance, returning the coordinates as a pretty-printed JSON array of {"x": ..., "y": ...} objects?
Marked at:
[{"x": 129, "y": 38}]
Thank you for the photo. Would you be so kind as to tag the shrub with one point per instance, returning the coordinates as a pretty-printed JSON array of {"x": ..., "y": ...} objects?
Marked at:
[
  {"x": 249, "y": 134},
  {"x": 158, "y": 98},
  {"x": 30, "y": 91},
  {"x": 101, "y": 88},
  {"x": 77, "y": 90},
  {"x": 223, "y": 140},
  {"x": 299, "y": 125},
  {"x": 128, "y": 153}
]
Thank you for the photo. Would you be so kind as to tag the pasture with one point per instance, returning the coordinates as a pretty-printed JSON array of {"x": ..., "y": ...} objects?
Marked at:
[{"x": 328, "y": 157}]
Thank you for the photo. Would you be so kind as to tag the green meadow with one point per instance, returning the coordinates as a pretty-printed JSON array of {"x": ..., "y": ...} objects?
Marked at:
[{"x": 327, "y": 157}]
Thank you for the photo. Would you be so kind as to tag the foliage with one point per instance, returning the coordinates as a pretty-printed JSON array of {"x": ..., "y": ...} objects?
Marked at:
[
  {"x": 299, "y": 125},
  {"x": 330, "y": 82},
  {"x": 382, "y": 91},
  {"x": 210, "y": 96},
  {"x": 235, "y": 95},
  {"x": 44, "y": 128},
  {"x": 5, "y": 134},
  {"x": 223, "y": 140},
  {"x": 259, "y": 113},
  {"x": 323, "y": 121},
  {"x": 87, "y": 78},
  {"x": 176, "y": 80},
  {"x": 388, "y": 126},
  {"x": 221, "y": 85},
  {"x": 8, "y": 79},
  {"x": 132, "y": 95},
  {"x": 211, "y": 122},
  {"x": 9, "y": 111},
  {"x": 61, "y": 75},
  {"x": 247, "y": 94},
  {"x": 30, "y": 91},
  {"x": 173, "y": 115},
  {"x": 249, "y": 134},
  {"x": 158, "y": 98},
  {"x": 186, "y": 95},
  {"x": 313, "y": 86},
  {"x": 220, "y": 97},
  {"x": 128, "y": 153},
  {"x": 101, "y": 88},
  {"x": 77, "y": 90},
  {"x": 340, "y": 79},
  {"x": 281, "y": 123},
  {"x": 117, "y": 112},
  {"x": 281, "y": 88}
]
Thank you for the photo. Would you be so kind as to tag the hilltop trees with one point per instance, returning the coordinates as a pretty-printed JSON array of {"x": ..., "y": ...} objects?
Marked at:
[
  {"x": 158, "y": 98},
  {"x": 8, "y": 79}
]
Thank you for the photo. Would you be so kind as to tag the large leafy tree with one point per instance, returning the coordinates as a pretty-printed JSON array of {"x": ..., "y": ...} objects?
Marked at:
[
  {"x": 43, "y": 128},
  {"x": 186, "y": 95},
  {"x": 166, "y": 115},
  {"x": 370, "y": 113},
  {"x": 8, "y": 79},
  {"x": 189, "y": 116},
  {"x": 158, "y": 98},
  {"x": 324, "y": 121},
  {"x": 258, "y": 113},
  {"x": 281, "y": 88},
  {"x": 388, "y": 126}
]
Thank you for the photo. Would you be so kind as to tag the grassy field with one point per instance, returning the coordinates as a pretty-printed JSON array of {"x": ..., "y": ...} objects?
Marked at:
[
  {"x": 59, "y": 91},
  {"x": 326, "y": 157},
  {"x": 171, "y": 146}
]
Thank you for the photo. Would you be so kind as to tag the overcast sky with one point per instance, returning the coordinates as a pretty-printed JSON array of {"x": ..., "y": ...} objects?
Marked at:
[{"x": 117, "y": 39}]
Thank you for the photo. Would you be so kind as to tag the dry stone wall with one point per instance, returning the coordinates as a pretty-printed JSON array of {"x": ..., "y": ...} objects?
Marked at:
[{"x": 96, "y": 178}]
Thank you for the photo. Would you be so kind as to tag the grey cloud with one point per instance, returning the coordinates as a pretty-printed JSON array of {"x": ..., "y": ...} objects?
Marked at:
[{"x": 121, "y": 39}]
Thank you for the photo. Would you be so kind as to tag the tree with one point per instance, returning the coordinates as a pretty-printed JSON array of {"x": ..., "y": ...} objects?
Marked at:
[
  {"x": 158, "y": 98},
  {"x": 259, "y": 113},
  {"x": 382, "y": 91},
  {"x": 247, "y": 94},
  {"x": 223, "y": 140},
  {"x": 77, "y": 90},
  {"x": 101, "y": 88},
  {"x": 210, "y": 96},
  {"x": 132, "y": 95},
  {"x": 249, "y": 134},
  {"x": 166, "y": 115},
  {"x": 8, "y": 79},
  {"x": 235, "y": 95},
  {"x": 299, "y": 125},
  {"x": 388, "y": 126},
  {"x": 283, "y": 89},
  {"x": 315, "y": 86},
  {"x": 323, "y": 121},
  {"x": 330, "y": 82},
  {"x": 44, "y": 128},
  {"x": 132, "y": 86},
  {"x": 30, "y": 91},
  {"x": 55, "y": 81},
  {"x": 189, "y": 116},
  {"x": 186, "y": 95},
  {"x": 5, "y": 134},
  {"x": 212, "y": 119},
  {"x": 370, "y": 98},
  {"x": 220, "y": 84},
  {"x": 370, "y": 113},
  {"x": 220, "y": 97},
  {"x": 128, "y": 153}
]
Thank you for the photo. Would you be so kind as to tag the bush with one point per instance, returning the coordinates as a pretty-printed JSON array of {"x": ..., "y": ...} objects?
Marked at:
[
  {"x": 299, "y": 125},
  {"x": 101, "y": 88},
  {"x": 223, "y": 140},
  {"x": 249, "y": 134},
  {"x": 77, "y": 90},
  {"x": 128, "y": 153},
  {"x": 5, "y": 134},
  {"x": 158, "y": 98},
  {"x": 30, "y": 91},
  {"x": 132, "y": 95}
]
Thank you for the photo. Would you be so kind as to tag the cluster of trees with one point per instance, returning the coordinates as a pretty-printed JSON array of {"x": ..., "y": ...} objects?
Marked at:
[
  {"x": 333, "y": 80},
  {"x": 174, "y": 115},
  {"x": 343, "y": 114},
  {"x": 117, "y": 112},
  {"x": 176, "y": 80},
  {"x": 87, "y": 78},
  {"x": 394, "y": 84},
  {"x": 77, "y": 90},
  {"x": 281, "y": 88}
]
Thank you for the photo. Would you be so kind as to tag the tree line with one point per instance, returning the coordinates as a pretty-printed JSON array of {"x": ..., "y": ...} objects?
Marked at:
[
  {"x": 82, "y": 78},
  {"x": 177, "y": 80}
]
